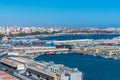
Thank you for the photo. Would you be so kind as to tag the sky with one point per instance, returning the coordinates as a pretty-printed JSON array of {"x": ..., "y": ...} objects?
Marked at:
[{"x": 60, "y": 12}]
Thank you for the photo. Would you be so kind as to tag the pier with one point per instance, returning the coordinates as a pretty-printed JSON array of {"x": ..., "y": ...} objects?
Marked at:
[
  {"x": 33, "y": 51},
  {"x": 103, "y": 51}
]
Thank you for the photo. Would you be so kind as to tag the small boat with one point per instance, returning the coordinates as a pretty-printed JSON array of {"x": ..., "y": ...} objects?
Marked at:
[
  {"x": 94, "y": 55},
  {"x": 116, "y": 58},
  {"x": 65, "y": 52},
  {"x": 49, "y": 53},
  {"x": 79, "y": 52},
  {"x": 106, "y": 57},
  {"x": 58, "y": 52}
]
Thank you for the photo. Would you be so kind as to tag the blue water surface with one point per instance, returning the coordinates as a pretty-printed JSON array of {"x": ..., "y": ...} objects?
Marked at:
[
  {"x": 89, "y": 36},
  {"x": 24, "y": 39},
  {"x": 94, "y": 68}
]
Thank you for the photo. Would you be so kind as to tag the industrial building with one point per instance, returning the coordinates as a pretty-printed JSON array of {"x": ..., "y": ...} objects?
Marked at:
[
  {"x": 40, "y": 73},
  {"x": 63, "y": 72},
  {"x": 6, "y": 76},
  {"x": 48, "y": 70},
  {"x": 13, "y": 63},
  {"x": 35, "y": 50}
]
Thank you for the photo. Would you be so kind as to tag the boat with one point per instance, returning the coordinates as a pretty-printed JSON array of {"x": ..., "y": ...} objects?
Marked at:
[
  {"x": 106, "y": 57},
  {"x": 79, "y": 52},
  {"x": 49, "y": 53},
  {"x": 94, "y": 55},
  {"x": 58, "y": 52},
  {"x": 65, "y": 52}
]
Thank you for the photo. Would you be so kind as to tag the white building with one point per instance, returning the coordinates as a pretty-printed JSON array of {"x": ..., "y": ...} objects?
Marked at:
[{"x": 64, "y": 73}]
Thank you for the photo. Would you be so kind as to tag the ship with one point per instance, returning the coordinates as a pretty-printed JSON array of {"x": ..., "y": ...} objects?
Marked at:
[
  {"x": 49, "y": 53},
  {"x": 80, "y": 53}
]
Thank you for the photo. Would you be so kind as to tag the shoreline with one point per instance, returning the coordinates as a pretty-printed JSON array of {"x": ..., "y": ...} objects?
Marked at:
[
  {"x": 50, "y": 35},
  {"x": 83, "y": 58}
]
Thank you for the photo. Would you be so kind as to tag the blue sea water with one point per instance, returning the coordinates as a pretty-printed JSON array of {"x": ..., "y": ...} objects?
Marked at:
[
  {"x": 70, "y": 37},
  {"x": 89, "y": 36},
  {"x": 94, "y": 68},
  {"x": 24, "y": 39}
]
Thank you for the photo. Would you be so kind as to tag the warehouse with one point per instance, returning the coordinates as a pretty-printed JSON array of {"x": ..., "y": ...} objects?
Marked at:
[{"x": 13, "y": 63}]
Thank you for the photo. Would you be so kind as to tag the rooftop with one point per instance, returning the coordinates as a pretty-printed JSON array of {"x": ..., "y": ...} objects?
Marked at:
[
  {"x": 6, "y": 76},
  {"x": 11, "y": 62}
]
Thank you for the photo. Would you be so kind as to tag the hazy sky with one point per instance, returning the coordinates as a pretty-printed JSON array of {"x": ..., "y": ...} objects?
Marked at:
[{"x": 59, "y": 12}]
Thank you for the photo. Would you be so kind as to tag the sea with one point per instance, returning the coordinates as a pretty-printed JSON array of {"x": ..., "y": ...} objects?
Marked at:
[
  {"x": 94, "y": 68},
  {"x": 84, "y": 36}
]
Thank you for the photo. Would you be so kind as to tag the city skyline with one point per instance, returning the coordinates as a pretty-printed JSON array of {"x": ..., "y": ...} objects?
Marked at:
[{"x": 103, "y": 13}]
